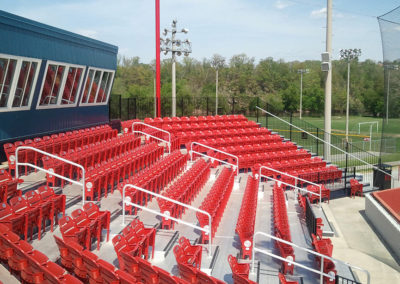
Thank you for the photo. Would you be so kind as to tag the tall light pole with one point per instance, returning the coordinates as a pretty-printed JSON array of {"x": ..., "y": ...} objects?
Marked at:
[
  {"x": 158, "y": 61},
  {"x": 302, "y": 71},
  {"x": 349, "y": 55},
  {"x": 217, "y": 62},
  {"x": 388, "y": 68},
  {"x": 176, "y": 47},
  {"x": 328, "y": 81}
]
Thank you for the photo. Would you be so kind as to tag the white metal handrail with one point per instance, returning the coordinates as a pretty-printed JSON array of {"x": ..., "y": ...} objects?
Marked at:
[
  {"x": 295, "y": 182},
  {"x": 322, "y": 140},
  {"x": 322, "y": 256},
  {"x": 51, "y": 171},
  {"x": 129, "y": 202},
  {"x": 235, "y": 167},
  {"x": 152, "y": 136}
]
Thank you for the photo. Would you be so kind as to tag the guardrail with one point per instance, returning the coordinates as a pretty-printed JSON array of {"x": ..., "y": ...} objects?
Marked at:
[
  {"x": 295, "y": 182},
  {"x": 325, "y": 142},
  {"x": 152, "y": 136},
  {"x": 235, "y": 167},
  {"x": 166, "y": 215},
  {"x": 322, "y": 256},
  {"x": 51, "y": 171}
]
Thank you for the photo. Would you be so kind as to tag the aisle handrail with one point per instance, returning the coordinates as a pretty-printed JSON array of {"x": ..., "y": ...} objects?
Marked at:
[
  {"x": 322, "y": 256},
  {"x": 235, "y": 167},
  {"x": 129, "y": 202},
  {"x": 152, "y": 136},
  {"x": 51, "y": 171},
  {"x": 295, "y": 182}
]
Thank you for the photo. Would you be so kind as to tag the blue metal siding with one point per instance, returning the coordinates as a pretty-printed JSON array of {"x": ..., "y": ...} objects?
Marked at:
[
  {"x": 23, "y": 37},
  {"x": 21, "y": 124}
]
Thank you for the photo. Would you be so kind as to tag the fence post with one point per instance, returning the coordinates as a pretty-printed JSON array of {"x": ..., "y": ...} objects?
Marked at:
[
  {"x": 266, "y": 117},
  {"x": 317, "y": 141},
  {"x": 182, "y": 106},
  {"x": 233, "y": 105},
  {"x": 291, "y": 121},
  {"x": 207, "y": 104},
  {"x": 135, "y": 108},
  {"x": 346, "y": 169},
  {"x": 120, "y": 107},
  {"x": 258, "y": 103}
]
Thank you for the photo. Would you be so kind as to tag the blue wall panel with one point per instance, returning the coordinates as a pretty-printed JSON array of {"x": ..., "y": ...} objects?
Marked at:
[{"x": 21, "y": 124}]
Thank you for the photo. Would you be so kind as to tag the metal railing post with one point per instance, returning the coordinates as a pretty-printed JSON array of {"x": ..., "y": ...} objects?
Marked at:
[
  {"x": 209, "y": 231},
  {"x": 152, "y": 136},
  {"x": 235, "y": 167},
  {"x": 322, "y": 256},
  {"x": 17, "y": 163}
]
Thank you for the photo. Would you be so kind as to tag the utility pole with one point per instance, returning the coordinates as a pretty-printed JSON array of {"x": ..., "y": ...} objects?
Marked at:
[
  {"x": 348, "y": 55},
  {"x": 217, "y": 62},
  {"x": 328, "y": 82},
  {"x": 302, "y": 71},
  {"x": 176, "y": 47},
  {"x": 158, "y": 61}
]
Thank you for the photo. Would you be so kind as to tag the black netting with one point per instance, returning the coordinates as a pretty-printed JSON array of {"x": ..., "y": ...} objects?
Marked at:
[{"x": 389, "y": 24}]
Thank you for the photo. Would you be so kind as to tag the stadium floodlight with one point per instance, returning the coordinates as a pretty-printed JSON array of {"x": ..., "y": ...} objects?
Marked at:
[
  {"x": 325, "y": 65},
  {"x": 165, "y": 32},
  {"x": 176, "y": 47},
  {"x": 302, "y": 71},
  {"x": 349, "y": 55}
]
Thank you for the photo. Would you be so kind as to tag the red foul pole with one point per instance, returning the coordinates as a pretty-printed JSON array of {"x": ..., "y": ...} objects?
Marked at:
[{"x": 158, "y": 62}]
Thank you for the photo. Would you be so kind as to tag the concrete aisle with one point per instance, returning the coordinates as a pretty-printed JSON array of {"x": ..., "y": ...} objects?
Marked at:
[{"x": 357, "y": 243}]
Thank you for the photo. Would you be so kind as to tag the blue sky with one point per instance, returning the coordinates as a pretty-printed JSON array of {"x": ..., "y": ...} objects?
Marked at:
[{"x": 282, "y": 29}]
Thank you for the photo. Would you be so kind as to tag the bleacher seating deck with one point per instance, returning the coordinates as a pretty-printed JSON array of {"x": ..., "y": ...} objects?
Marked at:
[{"x": 93, "y": 246}]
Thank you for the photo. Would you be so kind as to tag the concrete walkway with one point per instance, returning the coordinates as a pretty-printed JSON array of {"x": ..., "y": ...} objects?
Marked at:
[{"x": 357, "y": 243}]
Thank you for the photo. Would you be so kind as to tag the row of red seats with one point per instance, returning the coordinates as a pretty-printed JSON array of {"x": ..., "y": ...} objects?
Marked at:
[
  {"x": 126, "y": 125},
  {"x": 188, "y": 257},
  {"x": 8, "y": 186},
  {"x": 184, "y": 190},
  {"x": 249, "y": 160},
  {"x": 190, "y": 136},
  {"x": 56, "y": 143},
  {"x": 243, "y": 140},
  {"x": 88, "y": 156},
  {"x": 107, "y": 173},
  {"x": 325, "y": 193},
  {"x": 324, "y": 246},
  {"x": 216, "y": 201},
  {"x": 83, "y": 224},
  {"x": 356, "y": 187},
  {"x": 32, "y": 265},
  {"x": 283, "y": 280},
  {"x": 282, "y": 229},
  {"x": 322, "y": 174},
  {"x": 153, "y": 178},
  {"x": 32, "y": 210},
  {"x": 204, "y": 126},
  {"x": 240, "y": 271},
  {"x": 88, "y": 267},
  {"x": 259, "y": 148},
  {"x": 158, "y": 121},
  {"x": 302, "y": 200},
  {"x": 142, "y": 270},
  {"x": 135, "y": 240},
  {"x": 247, "y": 216}
]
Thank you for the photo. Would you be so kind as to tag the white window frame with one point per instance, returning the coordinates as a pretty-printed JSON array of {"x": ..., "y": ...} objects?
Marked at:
[
  {"x": 62, "y": 85},
  {"x": 14, "y": 82},
  {"x": 97, "y": 92}
]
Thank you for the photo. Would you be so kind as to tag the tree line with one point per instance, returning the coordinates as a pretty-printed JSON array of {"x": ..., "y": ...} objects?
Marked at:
[{"x": 273, "y": 81}]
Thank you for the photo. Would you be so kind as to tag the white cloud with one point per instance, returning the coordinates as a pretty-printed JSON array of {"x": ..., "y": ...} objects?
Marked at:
[
  {"x": 321, "y": 13},
  {"x": 282, "y": 4}
]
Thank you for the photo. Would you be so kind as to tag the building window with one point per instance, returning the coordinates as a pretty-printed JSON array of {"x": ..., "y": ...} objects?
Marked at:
[
  {"x": 97, "y": 87},
  {"x": 18, "y": 77},
  {"x": 61, "y": 85}
]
